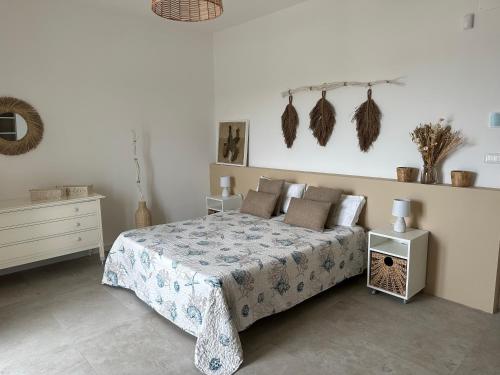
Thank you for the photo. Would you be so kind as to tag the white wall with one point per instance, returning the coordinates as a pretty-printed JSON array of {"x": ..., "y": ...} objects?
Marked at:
[
  {"x": 449, "y": 73},
  {"x": 94, "y": 73}
]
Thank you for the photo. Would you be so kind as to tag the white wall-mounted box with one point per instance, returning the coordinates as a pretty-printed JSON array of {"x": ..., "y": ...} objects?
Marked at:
[{"x": 494, "y": 120}]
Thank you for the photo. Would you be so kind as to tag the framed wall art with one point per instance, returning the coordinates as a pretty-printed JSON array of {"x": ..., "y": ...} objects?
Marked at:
[{"x": 232, "y": 143}]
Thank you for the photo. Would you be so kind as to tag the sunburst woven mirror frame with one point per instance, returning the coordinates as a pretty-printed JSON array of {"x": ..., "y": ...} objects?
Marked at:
[
  {"x": 188, "y": 10},
  {"x": 34, "y": 123}
]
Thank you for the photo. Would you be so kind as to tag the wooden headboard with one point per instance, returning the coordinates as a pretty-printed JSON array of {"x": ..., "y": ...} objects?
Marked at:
[{"x": 464, "y": 248}]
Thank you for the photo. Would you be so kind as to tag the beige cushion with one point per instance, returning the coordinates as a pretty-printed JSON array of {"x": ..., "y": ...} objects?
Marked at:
[
  {"x": 308, "y": 214},
  {"x": 272, "y": 187},
  {"x": 325, "y": 195},
  {"x": 259, "y": 204}
]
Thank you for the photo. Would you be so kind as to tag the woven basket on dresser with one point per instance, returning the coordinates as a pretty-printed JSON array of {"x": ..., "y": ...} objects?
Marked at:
[{"x": 388, "y": 273}]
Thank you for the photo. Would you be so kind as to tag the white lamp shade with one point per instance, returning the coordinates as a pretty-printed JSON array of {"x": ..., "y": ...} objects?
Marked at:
[
  {"x": 401, "y": 208},
  {"x": 225, "y": 181}
]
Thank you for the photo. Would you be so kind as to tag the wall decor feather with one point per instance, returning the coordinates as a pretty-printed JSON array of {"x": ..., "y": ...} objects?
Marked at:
[
  {"x": 289, "y": 123},
  {"x": 367, "y": 118},
  {"x": 322, "y": 120}
]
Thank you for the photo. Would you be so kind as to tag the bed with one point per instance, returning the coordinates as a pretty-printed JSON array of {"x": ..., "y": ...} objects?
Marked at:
[{"x": 216, "y": 275}]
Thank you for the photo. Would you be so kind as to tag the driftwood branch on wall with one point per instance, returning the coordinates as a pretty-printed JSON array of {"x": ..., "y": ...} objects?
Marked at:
[
  {"x": 336, "y": 85},
  {"x": 367, "y": 116}
]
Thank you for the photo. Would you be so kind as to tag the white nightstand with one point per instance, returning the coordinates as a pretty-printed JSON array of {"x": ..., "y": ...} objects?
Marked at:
[
  {"x": 217, "y": 203},
  {"x": 397, "y": 262}
]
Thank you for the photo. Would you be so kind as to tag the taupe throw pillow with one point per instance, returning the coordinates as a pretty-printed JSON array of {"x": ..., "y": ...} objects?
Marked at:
[
  {"x": 259, "y": 204},
  {"x": 272, "y": 187},
  {"x": 325, "y": 195},
  {"x": 308, "y": 214}
]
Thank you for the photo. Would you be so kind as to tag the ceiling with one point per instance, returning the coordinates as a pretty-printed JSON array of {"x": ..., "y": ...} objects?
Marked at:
[{"x": 235, "y": 11}]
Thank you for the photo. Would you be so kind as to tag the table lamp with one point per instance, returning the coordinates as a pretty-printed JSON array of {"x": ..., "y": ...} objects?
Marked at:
[
  {"x": 401, "y": 208},
  {"x": 225, "y": 184}
]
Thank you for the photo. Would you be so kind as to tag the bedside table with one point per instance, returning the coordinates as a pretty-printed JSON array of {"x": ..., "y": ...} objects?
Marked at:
[
  {"x": 217, "y": 203},
  {"x": 397, "y": 262}
]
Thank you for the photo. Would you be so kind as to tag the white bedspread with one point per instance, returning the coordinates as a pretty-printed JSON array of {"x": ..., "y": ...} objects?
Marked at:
[{"x": 216, "y": 275}]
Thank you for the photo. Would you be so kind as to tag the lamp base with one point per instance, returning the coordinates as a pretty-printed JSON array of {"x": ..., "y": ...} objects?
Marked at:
[
  {"x": 400, "y": 225},
  {"x": 225, "y": 192}
]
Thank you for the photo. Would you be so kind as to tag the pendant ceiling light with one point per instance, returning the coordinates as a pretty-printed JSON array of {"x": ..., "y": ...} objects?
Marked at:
[{"x": 187, "y": 10}]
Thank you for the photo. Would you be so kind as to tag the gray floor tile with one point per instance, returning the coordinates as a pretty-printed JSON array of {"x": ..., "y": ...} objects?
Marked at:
[
  {"x": 128, "y": 299},
  {"x": 14, "y": 288},
  {"x": 138, "y": 347},
  {"x": 62, "y": 361},
  {"x": 89, "y": 311},
  {"x": 28, "y": 329}
]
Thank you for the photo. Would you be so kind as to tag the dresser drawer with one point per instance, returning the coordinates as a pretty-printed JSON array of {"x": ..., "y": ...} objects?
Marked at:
[
  {"x": 34, "y": 215},
  {"x": 13, "y": 255},
  {"x": 388, "y": 272},
  {"x": 34, "y": 231}
]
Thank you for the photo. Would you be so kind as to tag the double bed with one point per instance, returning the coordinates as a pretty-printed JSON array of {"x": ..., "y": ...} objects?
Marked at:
[{"x": 216, "y": 275}]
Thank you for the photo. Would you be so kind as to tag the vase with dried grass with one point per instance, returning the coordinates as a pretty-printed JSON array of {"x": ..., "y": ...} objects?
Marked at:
[
  {"x": 435, "y": 141},
  {"x": 142, "y": 214}
]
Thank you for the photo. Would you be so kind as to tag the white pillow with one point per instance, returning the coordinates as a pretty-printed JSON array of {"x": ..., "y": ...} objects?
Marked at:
[
  {"x": 348, "y": 210},
  {"x": 289, "y": 191}
]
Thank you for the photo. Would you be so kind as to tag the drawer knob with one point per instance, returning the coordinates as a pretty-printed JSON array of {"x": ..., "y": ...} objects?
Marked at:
[
  {"x": 78, "y": 224},
  {"x": 77, "y": 209},
  {"x": 388, "y": 261},
  {"x": 79, "y": 239}
]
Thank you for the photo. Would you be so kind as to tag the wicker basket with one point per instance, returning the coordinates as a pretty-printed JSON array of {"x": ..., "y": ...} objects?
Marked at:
[
  {"x": 406, "y": 174},
  {"x": 75, "y": 191},
  {"x": 47, "y": 194},
  {"x": 388, "y": 273},
  {"x": 462, "y": 178}
]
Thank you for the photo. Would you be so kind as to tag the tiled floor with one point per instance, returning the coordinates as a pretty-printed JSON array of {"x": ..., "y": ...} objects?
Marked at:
[{"x": 59, "y": 320}]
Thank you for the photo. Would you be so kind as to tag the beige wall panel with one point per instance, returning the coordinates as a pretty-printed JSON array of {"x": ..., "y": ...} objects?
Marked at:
[{"x": 464, "y": 225}]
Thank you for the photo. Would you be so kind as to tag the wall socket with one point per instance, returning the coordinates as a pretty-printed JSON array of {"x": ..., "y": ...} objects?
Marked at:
[{"x": 492, "y": 158}]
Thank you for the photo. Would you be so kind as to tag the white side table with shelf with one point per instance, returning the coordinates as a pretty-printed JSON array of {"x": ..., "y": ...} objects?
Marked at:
[
  {"x": 218, "y": 203},
  {"x": 397, "y": 262}
]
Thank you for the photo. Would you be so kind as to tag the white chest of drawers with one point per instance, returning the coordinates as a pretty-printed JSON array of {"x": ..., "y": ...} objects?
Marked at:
[{"x": 31, "y": 232}]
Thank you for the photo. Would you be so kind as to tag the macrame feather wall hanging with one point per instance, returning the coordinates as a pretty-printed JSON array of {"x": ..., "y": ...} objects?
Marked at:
[
  {"x": 367, "y": 118},
  {"x": 289, "y": 123},
  {"x": 322, "y": 120},
  {"x": 323, "y": 116}
]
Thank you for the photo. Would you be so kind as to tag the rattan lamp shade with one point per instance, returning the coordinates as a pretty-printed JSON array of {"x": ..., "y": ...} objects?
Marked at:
[{"x": 187, "y": 10}]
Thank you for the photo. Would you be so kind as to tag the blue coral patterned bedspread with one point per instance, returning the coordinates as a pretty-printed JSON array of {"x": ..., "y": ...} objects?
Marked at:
[{"x": 216, "y": 275}]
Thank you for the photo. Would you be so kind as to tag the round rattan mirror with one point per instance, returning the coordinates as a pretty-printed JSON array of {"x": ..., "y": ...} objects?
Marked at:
[{"x": 21, "y": 128}]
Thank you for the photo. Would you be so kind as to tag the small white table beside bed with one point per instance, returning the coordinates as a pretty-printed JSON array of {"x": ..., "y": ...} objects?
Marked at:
[{"x": 216, "y": 275}]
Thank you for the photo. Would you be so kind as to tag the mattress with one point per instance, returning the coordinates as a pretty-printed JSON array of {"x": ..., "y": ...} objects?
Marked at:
[{"x": 216, "y": 275}]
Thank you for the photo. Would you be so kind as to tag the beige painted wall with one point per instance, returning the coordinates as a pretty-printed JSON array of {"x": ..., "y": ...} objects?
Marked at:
[
  {"x": 94, "y": 73},
  {"x": 464, "y": 244},
  {"x": 448, "y": 72}
]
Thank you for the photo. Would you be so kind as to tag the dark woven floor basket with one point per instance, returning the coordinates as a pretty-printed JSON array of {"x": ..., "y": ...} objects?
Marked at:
[{"x": 388, "y": 273}]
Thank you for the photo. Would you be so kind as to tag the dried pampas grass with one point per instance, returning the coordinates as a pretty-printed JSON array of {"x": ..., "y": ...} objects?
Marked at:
[
  {"x": 322, "y": 120},
  {"x": 436, "y": 141},
  {"x": 367, "y": 118},
  {"x": 289, "y": 123}
]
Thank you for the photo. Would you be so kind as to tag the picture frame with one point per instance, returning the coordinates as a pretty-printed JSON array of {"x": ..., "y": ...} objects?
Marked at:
[{"x": 232, "y": 142}]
